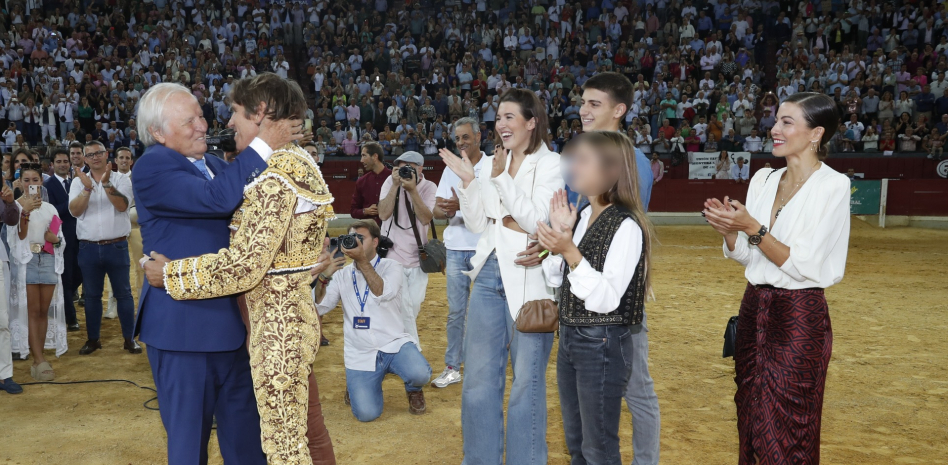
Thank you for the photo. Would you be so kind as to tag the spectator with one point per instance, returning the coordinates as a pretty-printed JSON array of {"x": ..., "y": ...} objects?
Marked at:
[
  {"x": 406, "y": 210},
  {"x": 57, "y": 189},
  {"x": 870, "y": 140},
  {"x": 10, "y": 217},
  {"x": 658, "y": 168},
  {"x": 460, "y": 244},
  {"x": 379, "y": 344},
  {"x": 101, "y": 209},
  {"x": 740, "y": 172},
  {"x": 33, "y": 250},
  {"x": 722, "y": 169},
  {"x": 908, "y": 142},
  {"x": 365, "y": 198}
]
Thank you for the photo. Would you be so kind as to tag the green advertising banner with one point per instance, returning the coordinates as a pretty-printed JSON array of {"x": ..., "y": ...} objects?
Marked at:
[{"x": 865, "y": 197}]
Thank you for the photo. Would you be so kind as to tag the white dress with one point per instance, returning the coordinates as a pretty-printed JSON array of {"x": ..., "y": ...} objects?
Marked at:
[{"x": 20, "y": 255}]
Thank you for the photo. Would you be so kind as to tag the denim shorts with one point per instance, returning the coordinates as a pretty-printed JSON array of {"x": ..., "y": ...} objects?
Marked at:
[{"x": 42, "y": 269}]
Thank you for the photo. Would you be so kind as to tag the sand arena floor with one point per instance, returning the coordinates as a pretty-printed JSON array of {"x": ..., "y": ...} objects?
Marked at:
[{"x": 886, "y": 395}]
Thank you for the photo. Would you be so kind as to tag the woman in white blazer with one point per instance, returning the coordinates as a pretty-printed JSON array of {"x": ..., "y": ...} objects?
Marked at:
[{"x": 504, "y": 204}]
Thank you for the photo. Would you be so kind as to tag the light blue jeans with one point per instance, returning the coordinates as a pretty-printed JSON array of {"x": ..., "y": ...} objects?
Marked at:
[
  {"x": 643, "y": 403},
  {"x": 365, "y": 387},
  {"x": 486, "y": 349},
  {"x": 459, "y": 291}
]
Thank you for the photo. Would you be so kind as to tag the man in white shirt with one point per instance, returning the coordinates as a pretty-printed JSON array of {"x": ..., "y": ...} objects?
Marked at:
[
  {"x": 100, "y": 202},
  {"x": 281, "y": 66},
  {"x": 460, "y": 244},
  {"x": 376, "y": 342},
  {"x": 740, "y": 172},
  {"x": 753, "y": 143}
]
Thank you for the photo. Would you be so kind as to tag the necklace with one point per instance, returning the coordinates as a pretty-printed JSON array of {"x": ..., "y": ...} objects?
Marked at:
[{"x": 784, "y": 200}]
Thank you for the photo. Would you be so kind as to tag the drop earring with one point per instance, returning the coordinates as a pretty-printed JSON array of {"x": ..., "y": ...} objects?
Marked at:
[{"x": 814, "y": 146}]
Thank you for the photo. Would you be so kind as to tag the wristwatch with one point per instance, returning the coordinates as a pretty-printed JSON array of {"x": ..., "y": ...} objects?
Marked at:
[
  {"x": 107, "y": 185},
  {"x": 756, "y": 238}
]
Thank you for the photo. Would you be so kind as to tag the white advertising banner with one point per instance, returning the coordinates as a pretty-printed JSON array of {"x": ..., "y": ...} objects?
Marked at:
[{"x": 701, "y": 165}]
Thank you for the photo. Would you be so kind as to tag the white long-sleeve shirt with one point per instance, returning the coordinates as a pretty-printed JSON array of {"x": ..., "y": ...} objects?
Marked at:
[
  {"x": 386, "y": 332},
  {"x": 601, "y": 291},
  {"x": 814, "y": 224}
]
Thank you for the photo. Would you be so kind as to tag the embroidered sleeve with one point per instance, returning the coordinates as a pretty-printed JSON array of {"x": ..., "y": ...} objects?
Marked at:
[{"x": 267, "y": 211}]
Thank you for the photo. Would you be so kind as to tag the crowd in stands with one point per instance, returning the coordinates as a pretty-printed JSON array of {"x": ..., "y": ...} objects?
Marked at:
[{"x": 708, "y": 75}]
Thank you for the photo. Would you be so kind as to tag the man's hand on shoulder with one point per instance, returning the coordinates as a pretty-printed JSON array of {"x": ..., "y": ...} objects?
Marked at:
[{"x": 276, "y": 134}]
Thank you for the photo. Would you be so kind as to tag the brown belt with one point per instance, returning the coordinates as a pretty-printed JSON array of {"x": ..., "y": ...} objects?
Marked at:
[{"x": 107, "y": 241}]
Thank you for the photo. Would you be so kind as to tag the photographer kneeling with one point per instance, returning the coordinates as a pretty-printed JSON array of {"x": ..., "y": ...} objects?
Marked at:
[
  {"x": 408, "y": 196},
  {"x": 376, "y": 342}
]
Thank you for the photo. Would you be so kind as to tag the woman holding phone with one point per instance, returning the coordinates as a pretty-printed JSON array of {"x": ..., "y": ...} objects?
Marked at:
[
  {"x": 792, "y": 237},
  {"x": 504, "y": 204},
  {"x": 36, "y": 321}
]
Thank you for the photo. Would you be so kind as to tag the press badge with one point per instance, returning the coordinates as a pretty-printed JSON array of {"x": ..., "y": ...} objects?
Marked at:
[{"x": 360, "y": 322}]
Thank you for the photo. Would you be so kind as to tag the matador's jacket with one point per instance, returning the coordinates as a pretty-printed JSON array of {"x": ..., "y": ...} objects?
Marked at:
[{"x": 277, "y": 237}]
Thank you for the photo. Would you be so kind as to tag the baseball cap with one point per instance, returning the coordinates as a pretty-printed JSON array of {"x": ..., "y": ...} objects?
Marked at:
[{"x": 411, "y": 157}]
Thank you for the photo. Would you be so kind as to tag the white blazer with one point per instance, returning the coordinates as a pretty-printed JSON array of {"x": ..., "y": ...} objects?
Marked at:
[{"x": 526, "y": 198}]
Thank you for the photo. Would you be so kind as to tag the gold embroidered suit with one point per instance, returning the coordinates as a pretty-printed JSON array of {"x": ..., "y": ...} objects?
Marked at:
[{"x": 278, "y": 236}]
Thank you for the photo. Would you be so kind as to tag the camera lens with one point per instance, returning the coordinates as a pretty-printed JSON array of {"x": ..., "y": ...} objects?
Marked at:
[
  {"x": 406, "y": 172},
  {"x": 348, "y": 241}
]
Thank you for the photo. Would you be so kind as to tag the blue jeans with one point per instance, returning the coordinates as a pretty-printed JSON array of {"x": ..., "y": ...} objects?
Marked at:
[
  {"x": 96, "y": 261},
  {"x": 459, "y": 291},
  {"x": 642, "y": 402},
  {"x": 592, "y": 371},
  {"x": 365, "y": 387},
  {"x": 493, "y": 336}
]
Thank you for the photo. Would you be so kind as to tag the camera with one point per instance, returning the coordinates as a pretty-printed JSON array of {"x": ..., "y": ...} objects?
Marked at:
[
  {"x": 350, "y": 241},
  {"x": 224, "y": 141},
  {"x": 407, "y": 172}
]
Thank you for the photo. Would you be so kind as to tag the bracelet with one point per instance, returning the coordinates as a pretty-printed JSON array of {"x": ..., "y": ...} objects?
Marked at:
[
  {"x": 323, "y": 278},
  {"x": 573, "y": 266}
]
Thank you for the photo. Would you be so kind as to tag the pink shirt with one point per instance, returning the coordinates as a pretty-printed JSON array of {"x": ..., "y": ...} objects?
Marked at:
[{"x": 405, "y": 250}]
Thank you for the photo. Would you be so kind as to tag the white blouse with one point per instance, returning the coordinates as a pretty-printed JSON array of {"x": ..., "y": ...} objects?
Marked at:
[
  {"x": 601, "y": 291},
  {"x": 814, "y": 224}
]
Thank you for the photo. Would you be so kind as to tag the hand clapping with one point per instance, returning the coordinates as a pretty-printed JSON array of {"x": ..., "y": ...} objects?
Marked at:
[
  {"x": 562, "y": 212},
  {"x": 729, "y": 217},
  {"x": 460, "y": 166}
]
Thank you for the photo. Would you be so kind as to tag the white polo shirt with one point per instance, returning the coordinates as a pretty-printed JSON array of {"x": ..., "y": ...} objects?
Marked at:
[{"x": 101, "y": 221}]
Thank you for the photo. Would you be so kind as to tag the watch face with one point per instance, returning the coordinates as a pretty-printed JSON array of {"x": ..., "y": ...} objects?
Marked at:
[{"x": 754, "y": 240}]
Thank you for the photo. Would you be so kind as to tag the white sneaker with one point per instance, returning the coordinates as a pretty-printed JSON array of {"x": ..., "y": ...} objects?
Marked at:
[
  {"x": 112, "y": 311},
  {"x": 448, "y": 377}
]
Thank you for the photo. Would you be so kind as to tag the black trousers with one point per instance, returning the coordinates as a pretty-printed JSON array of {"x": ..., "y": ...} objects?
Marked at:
[{"x": 72, "y": 279}]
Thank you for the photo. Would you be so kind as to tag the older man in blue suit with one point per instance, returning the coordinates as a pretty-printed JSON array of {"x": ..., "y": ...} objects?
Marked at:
[{"x": 196, "y": 348}]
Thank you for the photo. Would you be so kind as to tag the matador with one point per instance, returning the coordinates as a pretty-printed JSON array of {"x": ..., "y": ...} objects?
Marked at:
[{"x": 277, "y": 237}]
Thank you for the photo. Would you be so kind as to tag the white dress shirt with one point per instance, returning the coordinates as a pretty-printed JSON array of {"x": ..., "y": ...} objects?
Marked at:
[
  {"x": 741, "y": 172},
  {"x": 386, "y": 331},
  {"x": 601, "y": 291},
  {"x": 814, "y": 224},
  {"x": 101, "y": 221},
  {"x": 456, "y": 235}
]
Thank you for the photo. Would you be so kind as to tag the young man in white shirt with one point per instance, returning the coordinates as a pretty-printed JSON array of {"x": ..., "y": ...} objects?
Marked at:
[
  {"x": 460, "y": 244},
  {"x": 100, "y": 202},
  {"x": 376, "y": 342}
]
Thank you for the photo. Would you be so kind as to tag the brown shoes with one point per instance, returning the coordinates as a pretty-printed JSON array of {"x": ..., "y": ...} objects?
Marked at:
[{"x": 416, "y": 403}]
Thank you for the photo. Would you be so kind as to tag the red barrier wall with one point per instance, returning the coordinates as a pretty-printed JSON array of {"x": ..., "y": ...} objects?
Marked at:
[
  {"x": 907, "y": 196},
  {"x": 918, "y": 197}
]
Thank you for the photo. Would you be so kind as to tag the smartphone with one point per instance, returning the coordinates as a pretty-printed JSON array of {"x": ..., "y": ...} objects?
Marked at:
[
  {"x": 16, "y": 174},
  {"x": 308, "y": 125},
  {"x": 34, "y": 190}
]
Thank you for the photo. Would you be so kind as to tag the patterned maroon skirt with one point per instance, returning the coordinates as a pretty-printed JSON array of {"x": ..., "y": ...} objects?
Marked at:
[{"x": 783, "y": 347}]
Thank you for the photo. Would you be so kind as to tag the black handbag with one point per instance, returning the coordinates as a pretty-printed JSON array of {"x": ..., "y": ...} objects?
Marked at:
[{"x": 730, "y": 336}]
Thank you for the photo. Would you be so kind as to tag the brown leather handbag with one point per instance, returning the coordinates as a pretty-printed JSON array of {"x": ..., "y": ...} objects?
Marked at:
[{"x": 538, "y": 316}]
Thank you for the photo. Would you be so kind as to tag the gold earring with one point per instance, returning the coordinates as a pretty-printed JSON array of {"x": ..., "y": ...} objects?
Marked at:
[{"x": 814, "y": 146}]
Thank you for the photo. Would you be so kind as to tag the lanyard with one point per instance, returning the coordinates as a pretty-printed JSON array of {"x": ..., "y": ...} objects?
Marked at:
[{"x": 365, "y": 295}]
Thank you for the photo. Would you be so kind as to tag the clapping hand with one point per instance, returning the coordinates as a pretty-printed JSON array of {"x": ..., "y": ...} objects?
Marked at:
[
  {"x": 85, "y": 179},
  {"x": 108, "y": 173},
  {"x": 499, "y": 163},
  {"x": 371, "y": 210},
  {"x": 562, "y": 212},
  {"x": 554, "y": 240},
  {"x": 729, "y": 217},
  {"x": 6, "y": 194},
  {"x": 460, "y": 166},
  {"x": 450, "y": 206}
]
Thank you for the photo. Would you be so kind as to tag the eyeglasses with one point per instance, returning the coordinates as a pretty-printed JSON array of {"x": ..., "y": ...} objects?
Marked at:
[{"x": 99, "y": 154}]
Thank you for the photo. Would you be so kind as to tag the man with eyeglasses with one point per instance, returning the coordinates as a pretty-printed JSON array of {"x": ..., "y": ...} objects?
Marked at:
[{"x": 100, "y": 202}]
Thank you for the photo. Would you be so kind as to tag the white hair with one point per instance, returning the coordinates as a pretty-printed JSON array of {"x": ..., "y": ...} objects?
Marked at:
[{"x": 151, "y": 109}]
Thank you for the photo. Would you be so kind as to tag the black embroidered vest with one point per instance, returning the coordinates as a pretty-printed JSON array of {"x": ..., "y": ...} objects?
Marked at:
[{"x": 594, "y": 246}]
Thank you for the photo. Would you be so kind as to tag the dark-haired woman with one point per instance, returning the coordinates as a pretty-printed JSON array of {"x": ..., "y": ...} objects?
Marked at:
[
  {"x": 792, "y": 237},
  {"x": 504, "y": 204}
]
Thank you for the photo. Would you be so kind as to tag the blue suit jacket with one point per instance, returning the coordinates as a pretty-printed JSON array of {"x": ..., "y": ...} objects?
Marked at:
[
  {"x": 59, "y": 198},
  {"x": 182, "y": 214}
]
